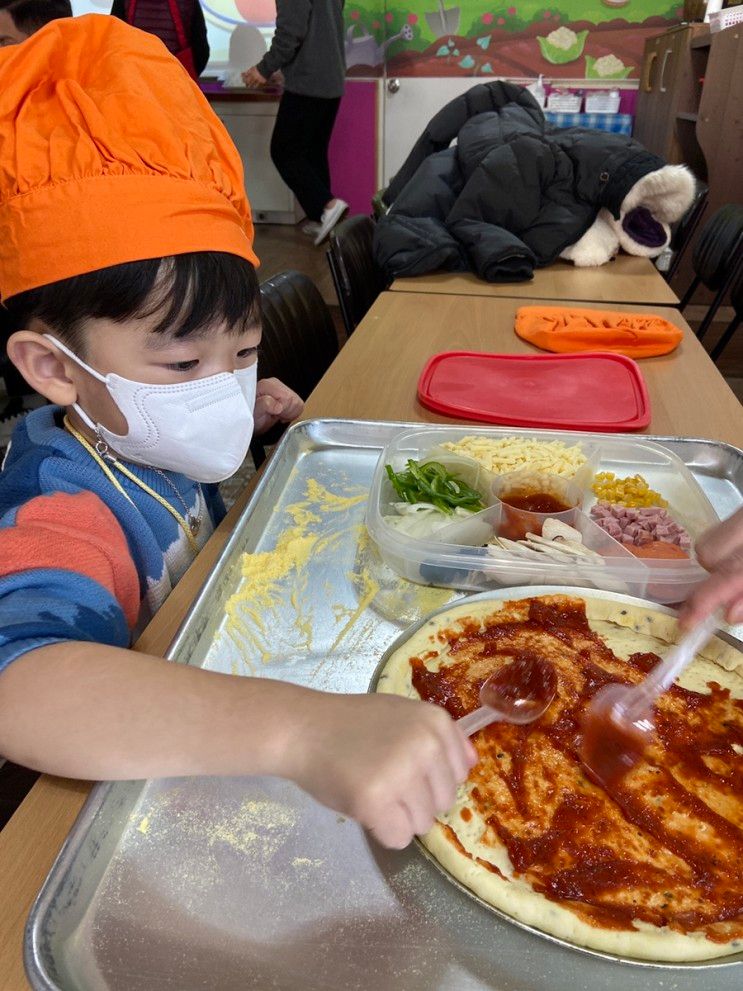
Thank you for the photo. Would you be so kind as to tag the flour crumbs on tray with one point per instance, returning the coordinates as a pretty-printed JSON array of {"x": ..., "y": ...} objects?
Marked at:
[
  {"x": 272, "y": 579},
  {"x": 277, "y": 612},
  {"x": 300, "y": 862},
  {"x": 259, "y": 828}
]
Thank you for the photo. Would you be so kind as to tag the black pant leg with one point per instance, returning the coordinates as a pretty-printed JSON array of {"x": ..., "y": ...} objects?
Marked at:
[
  {"x": 299, "y": 147},
  {"x": 327, "y": 111}
]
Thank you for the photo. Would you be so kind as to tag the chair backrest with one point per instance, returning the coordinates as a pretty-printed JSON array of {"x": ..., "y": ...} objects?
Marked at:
[
  {"x": 357, "y": 278},
  {"x": 684, "y": 228},
  {"x": 736, "y": 298},
  {"x": 683, "y": 231},
  {"x": 299, "y": 337},
  {"x": 736, "y": 295},
  {"x": 718, "y": 246},
  {"x": 299, "y": 341}
]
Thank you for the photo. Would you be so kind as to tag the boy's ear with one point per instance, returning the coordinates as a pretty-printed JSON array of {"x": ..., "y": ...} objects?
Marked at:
[{"x": 43, "y": 366}]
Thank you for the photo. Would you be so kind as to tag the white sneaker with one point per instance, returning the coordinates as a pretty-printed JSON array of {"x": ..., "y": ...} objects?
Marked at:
[
  {"x": 329, "y": 219},
  {"x": 311, "y": 228}
]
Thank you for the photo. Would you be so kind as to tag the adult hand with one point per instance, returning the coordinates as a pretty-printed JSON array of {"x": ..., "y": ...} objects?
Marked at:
[
  {"x": 720, "y": 551},
  {"x": 253, "y": 78},
  {"x": 390, "y": 763},
  {"x": 275, "y": 402}
]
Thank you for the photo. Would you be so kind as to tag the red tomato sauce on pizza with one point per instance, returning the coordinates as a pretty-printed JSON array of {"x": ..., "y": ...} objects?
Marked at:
[{"x": 666, "y": 846}]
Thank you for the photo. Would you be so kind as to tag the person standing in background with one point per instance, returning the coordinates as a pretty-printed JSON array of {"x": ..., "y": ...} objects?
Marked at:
[
  {"x": 179, "y": 24},
  {"x": 19, "y": 19},
  {"x": 308, "y": 49}
]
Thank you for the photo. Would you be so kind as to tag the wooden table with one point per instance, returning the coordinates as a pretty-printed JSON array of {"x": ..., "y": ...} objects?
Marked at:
[
  {"x": 688, "y": 395},
  {"x": 374, "y": 377},
  {"x": 627, "y": 279}
]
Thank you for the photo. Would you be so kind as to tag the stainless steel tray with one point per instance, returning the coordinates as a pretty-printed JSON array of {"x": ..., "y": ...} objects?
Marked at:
[
  {"x": 524, "y": 591},
  {"x": 247, "y": 883}
]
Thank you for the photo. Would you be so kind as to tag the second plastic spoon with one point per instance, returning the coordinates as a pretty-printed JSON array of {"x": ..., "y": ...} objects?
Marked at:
[
  {"x": 618, "y": 721},
  {"x": 519, "y": 693}
]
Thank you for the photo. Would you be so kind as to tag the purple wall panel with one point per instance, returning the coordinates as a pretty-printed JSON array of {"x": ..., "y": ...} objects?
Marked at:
[{"x": 353, "y": 152}]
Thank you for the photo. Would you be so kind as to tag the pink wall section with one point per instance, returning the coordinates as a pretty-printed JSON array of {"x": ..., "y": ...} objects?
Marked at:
[{"x": 353, "y": 152}]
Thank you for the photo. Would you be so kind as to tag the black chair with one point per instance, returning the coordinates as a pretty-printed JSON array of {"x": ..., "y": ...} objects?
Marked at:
[
  {"x": 357, "y": 278},
  {"x": 736, "y": 298},
  {"x": 299, "y": 341},
  {"x": 683, "y": 231},
  {"x": 717, "y": 257}
]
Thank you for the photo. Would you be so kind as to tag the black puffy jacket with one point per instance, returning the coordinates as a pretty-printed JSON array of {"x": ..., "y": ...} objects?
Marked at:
[{"x": 509, "y": 196}]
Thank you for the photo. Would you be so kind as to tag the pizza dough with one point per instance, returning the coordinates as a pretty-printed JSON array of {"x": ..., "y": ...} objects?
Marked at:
[{"x": 654, "y": 871}]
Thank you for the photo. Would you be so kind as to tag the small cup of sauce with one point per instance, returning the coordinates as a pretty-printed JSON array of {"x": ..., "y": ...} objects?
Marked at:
[{"x": 529, "y": 498}]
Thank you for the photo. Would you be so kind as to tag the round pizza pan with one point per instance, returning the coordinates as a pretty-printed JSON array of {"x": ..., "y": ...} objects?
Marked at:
[{"x": 530, "y": 591}]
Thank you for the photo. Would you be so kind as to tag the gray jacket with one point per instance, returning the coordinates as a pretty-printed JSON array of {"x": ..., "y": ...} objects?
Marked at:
[{"x": 308, "y": 47}]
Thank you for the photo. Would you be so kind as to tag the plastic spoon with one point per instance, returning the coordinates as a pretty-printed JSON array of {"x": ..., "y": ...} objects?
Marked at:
[
  {"x": 618, "y": 722},
  {"x": 519, "y": 693}
]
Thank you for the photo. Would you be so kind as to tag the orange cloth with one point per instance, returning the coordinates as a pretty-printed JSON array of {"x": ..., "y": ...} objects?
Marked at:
[
  {"x": 564, "y": 329},
  {"x": 109, "y": 153}
]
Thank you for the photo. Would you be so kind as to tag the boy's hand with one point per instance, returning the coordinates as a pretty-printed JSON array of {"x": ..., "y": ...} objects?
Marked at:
[
  {"x": 253, "y": 79},
  {"x": 388, "y": 762},
  {"x": 275, "y": 402},
  {"x": 720, "y": 551}
]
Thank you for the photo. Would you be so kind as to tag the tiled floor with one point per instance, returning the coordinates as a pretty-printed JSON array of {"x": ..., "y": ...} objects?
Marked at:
[{"x": 282, "y": 247}]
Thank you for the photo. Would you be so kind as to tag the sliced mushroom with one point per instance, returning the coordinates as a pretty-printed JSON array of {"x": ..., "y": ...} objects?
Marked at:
[{"x": 557, "y": 530}]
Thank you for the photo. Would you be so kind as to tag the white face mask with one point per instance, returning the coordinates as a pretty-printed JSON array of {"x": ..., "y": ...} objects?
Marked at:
[{"x": 201, "y": 428}]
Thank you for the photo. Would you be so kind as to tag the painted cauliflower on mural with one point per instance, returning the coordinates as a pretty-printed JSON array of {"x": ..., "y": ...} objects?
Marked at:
[{"x": 563, "y": 45}]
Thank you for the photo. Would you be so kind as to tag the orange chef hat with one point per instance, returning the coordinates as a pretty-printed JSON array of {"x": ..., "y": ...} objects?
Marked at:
[
  {"x": 109, "y": 153},
  {"x": 565, "y": 329}
]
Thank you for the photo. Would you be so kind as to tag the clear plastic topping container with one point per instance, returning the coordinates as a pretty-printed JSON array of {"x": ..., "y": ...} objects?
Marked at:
[{"x": 504, "y": 544}]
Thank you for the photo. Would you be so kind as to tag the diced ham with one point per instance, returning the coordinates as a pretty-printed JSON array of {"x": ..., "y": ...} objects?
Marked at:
[{"x": 639, "y": 526}]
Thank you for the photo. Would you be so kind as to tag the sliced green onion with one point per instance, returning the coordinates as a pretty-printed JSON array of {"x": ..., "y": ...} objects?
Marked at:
[{"x": 431, "y": 482}]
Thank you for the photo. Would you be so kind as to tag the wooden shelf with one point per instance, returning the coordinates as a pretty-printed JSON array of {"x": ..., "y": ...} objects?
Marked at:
[
  {"x": 702, "y": 41},
  {"x": 692, "y": 117}
]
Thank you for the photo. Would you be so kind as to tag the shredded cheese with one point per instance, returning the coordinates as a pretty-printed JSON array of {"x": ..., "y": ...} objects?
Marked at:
[{"x": 512, "y": 453}]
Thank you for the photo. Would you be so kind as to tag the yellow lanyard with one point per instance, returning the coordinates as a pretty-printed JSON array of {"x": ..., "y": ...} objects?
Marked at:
[{"x": 180, "y": 520}]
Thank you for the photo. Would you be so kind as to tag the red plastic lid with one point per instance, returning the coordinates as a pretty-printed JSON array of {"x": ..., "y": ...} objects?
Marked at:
[{"x": 583, "y": 391}]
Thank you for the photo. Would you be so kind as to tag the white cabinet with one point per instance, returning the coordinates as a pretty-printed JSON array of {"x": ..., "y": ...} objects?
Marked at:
[
  {"x": 409, "y": 103},
  {"x": 250, "y": 124}
]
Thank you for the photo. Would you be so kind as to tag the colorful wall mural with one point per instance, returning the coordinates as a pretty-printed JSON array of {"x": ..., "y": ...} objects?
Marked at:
[{"x": 583, "y": 39}]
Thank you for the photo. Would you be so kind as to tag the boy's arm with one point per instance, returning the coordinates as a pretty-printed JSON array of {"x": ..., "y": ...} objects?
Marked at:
[
  {"x": 74, "y": 702},
  {"x": 91, "y": 711},
  {"x": 292, "y": 23}
]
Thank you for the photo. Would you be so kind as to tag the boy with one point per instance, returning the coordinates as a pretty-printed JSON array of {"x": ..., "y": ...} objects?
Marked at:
[
  {"x": 126, "y": 266},
  {"x": 19, "y": 19},
  {"x": 308, "y": 49},
  {"x": 180, "y": 26}
]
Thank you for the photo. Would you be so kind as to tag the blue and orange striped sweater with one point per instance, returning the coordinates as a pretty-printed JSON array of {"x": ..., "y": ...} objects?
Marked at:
[{"x": 78, "y": 560}]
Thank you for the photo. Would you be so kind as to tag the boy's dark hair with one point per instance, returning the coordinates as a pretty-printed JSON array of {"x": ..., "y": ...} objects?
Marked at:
[
  {"x": 30, "y": 16},
  {"x": 187, "y": 293}
]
